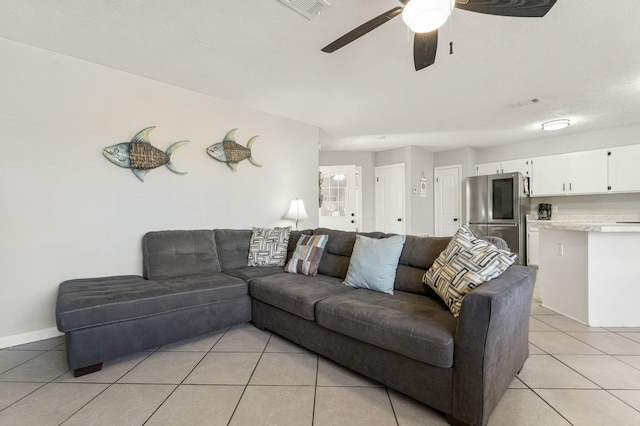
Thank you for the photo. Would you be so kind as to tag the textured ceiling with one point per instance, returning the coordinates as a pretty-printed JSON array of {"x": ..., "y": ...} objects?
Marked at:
[{"x": 582, "y": 61}]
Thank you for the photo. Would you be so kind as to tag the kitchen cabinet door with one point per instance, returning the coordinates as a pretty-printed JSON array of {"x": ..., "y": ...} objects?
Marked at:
[
  {"x": 548, "y": 175},
  {"x": 513, "y": 166},
  {"x": 487, "y": 169},
  {"x": 587, "y": 172},
  {"x": 576, "y": 173},
  {"x": 624, "y": 169}
]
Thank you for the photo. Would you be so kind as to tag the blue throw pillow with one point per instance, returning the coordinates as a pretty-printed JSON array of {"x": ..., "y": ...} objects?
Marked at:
[{"x": 374, "y": 262}]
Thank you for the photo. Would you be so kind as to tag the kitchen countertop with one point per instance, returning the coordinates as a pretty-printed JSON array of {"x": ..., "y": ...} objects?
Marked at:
[
  {"x": 587, "y": 226},
  {"x": 589, "y": 223}
]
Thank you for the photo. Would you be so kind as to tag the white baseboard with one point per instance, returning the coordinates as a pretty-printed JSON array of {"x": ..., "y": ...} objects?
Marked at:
[{"x": 33, "y": 336}]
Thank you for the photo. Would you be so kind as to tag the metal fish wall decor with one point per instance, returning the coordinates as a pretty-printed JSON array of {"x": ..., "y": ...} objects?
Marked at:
[
  {"x": 230, "y": 152},
  {"x": 140, "y": 156}
]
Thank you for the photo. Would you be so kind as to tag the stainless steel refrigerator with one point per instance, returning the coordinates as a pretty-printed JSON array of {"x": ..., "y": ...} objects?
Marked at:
[{"x": 497, "y": 205}]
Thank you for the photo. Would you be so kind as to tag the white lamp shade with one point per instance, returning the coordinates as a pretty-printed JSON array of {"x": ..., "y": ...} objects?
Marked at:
[
  {"x": 423, "y": 16},
  {"x": 296, "y": 210}
]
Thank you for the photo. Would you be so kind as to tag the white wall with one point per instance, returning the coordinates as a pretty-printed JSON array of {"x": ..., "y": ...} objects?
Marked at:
[
  {"x": 419, "y": 210},
  {"x": 66, "y": 212},
  {"x": 422, "y": 208}
]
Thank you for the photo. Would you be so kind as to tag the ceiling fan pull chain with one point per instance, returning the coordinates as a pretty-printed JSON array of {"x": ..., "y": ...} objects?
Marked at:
[{"x": 451, "y": 32}]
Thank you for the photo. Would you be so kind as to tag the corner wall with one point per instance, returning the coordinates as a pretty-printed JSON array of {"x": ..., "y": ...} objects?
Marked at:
[
  {"x": 419, "y": 209},
  {"x": 66, "y": 212}
]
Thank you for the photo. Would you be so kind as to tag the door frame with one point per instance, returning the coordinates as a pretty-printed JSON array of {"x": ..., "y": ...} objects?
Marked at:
[{"x": 436, "y": 196}]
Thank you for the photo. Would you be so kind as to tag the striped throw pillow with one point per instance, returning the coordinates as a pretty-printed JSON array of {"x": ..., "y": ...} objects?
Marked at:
[
  {"x": 466, "y": 263},
  {"x": 306, "y": 258},
  {"x": 268, "y": 246}
]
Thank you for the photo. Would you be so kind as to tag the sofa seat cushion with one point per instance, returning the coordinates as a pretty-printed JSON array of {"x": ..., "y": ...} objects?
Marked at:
[
  {"x": 91, "y": 302},
  {"x": 412, "y": 325},
  {"x": 296, "y": 294},
  {"x": 248, "y": 273}
]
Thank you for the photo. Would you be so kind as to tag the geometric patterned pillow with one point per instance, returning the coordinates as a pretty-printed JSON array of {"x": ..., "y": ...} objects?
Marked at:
[
  {"x": 466, "y": 263},
  {"x": 306, "y": 258},
  {"x": 268, "y": 246}
]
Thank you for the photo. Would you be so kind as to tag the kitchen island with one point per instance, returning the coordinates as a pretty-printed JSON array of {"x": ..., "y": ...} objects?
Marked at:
[{"x": 591, "y": 271}]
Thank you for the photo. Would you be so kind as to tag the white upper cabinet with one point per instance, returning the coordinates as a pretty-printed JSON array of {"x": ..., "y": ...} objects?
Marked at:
[
  {"x": 598, "y": 171},
  {"x": 488, "y": 169},
  {"x": 624, "y": 169},
  {"x": 512, "y": 166},
  {"x": 571, "y": 174},
  {"x": 588, "y": 172},
  {"x": 509, "y": 166},
  {"x": 548, "y": 175}
]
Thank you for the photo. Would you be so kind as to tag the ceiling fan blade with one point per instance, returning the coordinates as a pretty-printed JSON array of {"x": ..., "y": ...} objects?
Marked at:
[
  {"x": 424, "y": 49},
  {"x": 362, "y": 30},
  {"x": 518, "y": 8}
]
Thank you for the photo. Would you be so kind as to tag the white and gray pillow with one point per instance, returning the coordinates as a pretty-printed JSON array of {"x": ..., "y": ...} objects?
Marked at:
[
  {"x": 268, "y": 246},
  {"x": 466, "y": 263}
]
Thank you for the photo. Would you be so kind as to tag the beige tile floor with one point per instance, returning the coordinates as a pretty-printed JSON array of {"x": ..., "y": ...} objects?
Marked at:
[{"x": 575, "y": 375}]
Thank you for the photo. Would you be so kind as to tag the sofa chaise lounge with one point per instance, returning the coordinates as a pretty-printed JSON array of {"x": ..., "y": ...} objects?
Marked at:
[{"x": 198, "y": 281}]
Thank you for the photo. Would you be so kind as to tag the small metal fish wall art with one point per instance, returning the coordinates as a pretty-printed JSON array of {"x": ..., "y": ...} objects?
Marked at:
[
  {"x": 140, "y": 156},
  {"x": 230, "y": 152}
]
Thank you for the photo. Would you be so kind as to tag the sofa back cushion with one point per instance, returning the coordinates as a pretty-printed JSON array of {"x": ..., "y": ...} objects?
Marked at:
[
  {"x": 233, "y": 246},
  {"x": 168, "y": 254},
  {"x": 418, "y": 254},
  {"x": 337, "y": 251}
]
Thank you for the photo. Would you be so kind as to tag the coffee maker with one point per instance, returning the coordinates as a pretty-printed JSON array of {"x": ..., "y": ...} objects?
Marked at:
[{"x": 544, "y": 211}]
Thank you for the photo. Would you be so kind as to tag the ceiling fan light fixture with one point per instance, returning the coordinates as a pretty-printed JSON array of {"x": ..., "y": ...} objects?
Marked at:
[
  {"x": 556, "y": 124},
  {"x": 424, "y": 16}
]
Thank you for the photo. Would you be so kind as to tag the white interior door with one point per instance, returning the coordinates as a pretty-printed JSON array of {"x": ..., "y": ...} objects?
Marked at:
[
  {"x": 390, "y": 209},
  {"x": 338, "y": 198},
  {"x": 447, "y": 200}
]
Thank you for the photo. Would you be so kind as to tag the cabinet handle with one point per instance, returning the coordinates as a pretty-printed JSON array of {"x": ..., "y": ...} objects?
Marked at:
[
  {"x": 569, "y": 186},
  {"x": 563, "y": 187}
]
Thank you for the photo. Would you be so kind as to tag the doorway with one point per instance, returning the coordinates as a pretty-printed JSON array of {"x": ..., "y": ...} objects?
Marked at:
[
  {"x": 447, "y": 201},
  {"x": 390, "y": 208},
  {"x": 340, "y": 198}
]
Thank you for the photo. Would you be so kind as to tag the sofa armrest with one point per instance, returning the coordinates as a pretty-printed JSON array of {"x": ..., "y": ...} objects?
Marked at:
[{"x": 491, "y": 343}]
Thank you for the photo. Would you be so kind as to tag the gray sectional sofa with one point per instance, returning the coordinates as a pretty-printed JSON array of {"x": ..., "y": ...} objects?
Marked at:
[{"x": 197, "y": 281}]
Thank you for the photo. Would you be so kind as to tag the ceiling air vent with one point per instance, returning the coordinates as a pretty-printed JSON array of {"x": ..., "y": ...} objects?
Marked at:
[{"x": 307, "y": 8}]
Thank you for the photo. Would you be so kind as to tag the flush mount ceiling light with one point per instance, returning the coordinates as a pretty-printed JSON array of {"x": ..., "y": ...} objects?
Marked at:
[
  {"x": 424, "y": 16},
  {"x": 556, "y": 124}
]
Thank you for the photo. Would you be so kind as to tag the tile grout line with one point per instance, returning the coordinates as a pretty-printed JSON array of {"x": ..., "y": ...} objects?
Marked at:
[
  {"x": 534, "y": 391},
  {"x": 540, "y": 396},
  {"x": 315, "y": 391},
  {"x": 549, "y": 404},
  {"x": 600, "y": 388},
  {"x": 393, "y": 410},
  {"x": 204, "y": 355},
  {"x": 619, "y": 399},
  {"x": 109, "y": 386},
  {"x": 250, "y": 377}
]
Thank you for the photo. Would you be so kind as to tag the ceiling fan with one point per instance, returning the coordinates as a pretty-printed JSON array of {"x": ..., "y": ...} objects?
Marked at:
[{"x": 424, "y": 17}]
